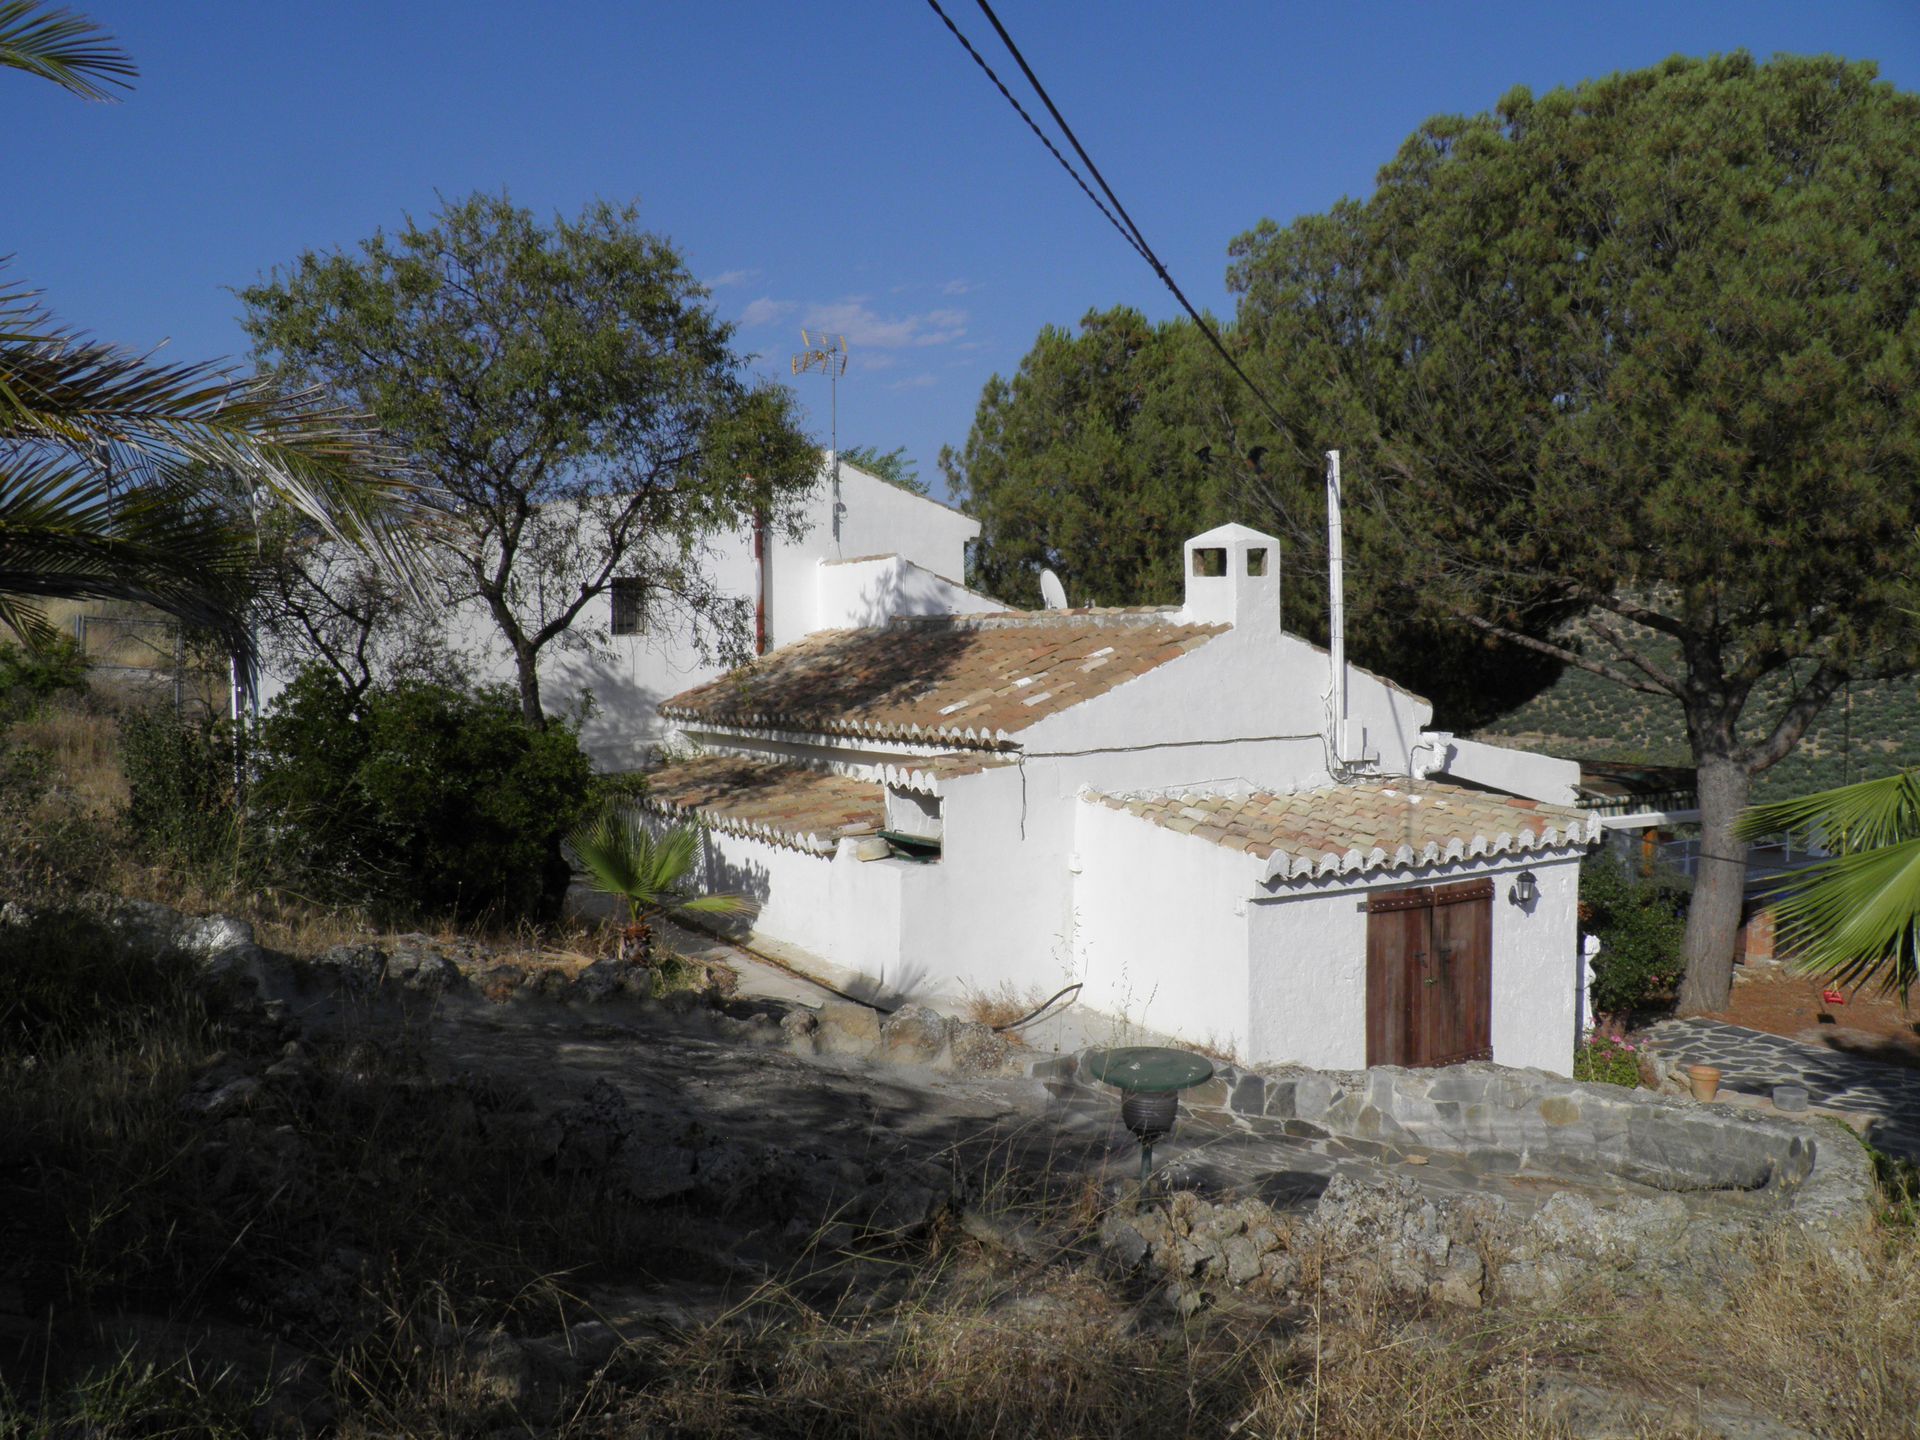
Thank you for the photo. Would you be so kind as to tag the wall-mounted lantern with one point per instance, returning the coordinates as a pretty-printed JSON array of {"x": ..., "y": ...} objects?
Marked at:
[{"x": 1526, "y": 889}]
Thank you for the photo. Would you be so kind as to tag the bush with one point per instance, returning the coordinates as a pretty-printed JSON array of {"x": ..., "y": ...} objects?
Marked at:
[
  {"x": 28, "y": 679},
  {"x": 181, "y": 797},
  {"x": 1607, "y": 1060},
  {"x": 1641, "y": 925},
  {"x": 48, "y": 846},
  {"x": 419, "y": 799}
]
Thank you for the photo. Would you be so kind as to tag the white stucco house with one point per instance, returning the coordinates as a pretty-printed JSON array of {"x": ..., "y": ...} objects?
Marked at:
[
  {"x": 867, "y": 551},
  {"x": 1178, "y": 807}
]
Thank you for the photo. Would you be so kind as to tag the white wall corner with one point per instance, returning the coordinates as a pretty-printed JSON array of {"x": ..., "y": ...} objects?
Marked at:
[{"x": 1545, "y": 778}]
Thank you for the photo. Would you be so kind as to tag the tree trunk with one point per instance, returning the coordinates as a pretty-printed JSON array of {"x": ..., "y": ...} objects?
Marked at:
[
  {"x": 530, "y": 708},
  {"x": 1719, "y": 885}
]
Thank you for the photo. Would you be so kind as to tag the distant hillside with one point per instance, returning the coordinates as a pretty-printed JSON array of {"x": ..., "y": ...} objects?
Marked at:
[{"x": 1870, "y": 729}]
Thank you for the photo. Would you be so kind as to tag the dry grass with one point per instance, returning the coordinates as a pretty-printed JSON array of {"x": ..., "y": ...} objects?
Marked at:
[
  {"x": 1002, "y": 1005},
  {"x": 84, "y": 745},
  {"x": 1003, "y": 1325}
]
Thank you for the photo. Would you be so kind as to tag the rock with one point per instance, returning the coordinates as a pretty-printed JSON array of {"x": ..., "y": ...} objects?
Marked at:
[
  {"x": 1125, "y": 1247},
  {"x": 799, "y": 1027},
  {"x": 978, "y": 1049},
  {"x": 915, "y": 1035},
  {"x": 1243, "y": 1260},
  {"x": 593, "y": 1129},
  {"x": 844, "y": 1028},
  {"x": 228, "y": 1099},
  {"x": 422, "y": 969},
  {"x": 1461, "y": 1284},
  {"x": 606, "y": 979},
  {"x": 356, "y": 969}
]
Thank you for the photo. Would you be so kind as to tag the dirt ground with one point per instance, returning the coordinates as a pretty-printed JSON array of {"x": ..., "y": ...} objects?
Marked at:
[{"x": 1770, "y": 997}]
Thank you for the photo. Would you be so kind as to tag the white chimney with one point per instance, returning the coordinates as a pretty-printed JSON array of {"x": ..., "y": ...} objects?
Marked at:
[{"x": 1233, "y": 578}]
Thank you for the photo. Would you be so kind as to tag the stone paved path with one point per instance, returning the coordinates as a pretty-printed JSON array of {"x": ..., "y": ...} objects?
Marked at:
[{"x": 1754, "y": 1062}]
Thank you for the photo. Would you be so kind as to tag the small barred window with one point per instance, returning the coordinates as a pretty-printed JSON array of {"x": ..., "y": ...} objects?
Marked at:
[{"x": 629, "y": 605}]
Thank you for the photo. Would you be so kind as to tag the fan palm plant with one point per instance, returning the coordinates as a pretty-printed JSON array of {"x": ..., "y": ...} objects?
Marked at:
[
  {"x": 653, "y": 874},
  {"x": 1855, "y": 916},
  {"x": 122, "y": 478}
]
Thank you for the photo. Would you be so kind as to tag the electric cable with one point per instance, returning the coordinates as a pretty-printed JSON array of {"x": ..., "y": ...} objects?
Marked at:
[
  {"x": 1130, "y": 232},
  {"x": 1038, "y": 133}
]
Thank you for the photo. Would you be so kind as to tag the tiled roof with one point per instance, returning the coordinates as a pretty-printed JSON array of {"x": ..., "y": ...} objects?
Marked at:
[
  {"x": 1354, "y": 829},
  {"x": 931, "y": 773},
  {"x": 786, "y": 804},
  {"x": 963, "y": 680}
]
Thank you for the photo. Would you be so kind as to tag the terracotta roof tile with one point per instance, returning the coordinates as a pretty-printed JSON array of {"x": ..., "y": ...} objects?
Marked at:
[
  {"x": 964, "y": 680},
  {"x": 1355, "y": 829},
  {"x": 786, "y": 804}
]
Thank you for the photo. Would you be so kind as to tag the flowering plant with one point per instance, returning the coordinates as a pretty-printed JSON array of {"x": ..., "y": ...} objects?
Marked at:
[{"x": 1608, "y": 1059}]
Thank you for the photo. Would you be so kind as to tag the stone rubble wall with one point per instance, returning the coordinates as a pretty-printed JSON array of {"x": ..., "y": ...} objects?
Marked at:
[{"x": 1702, "y": 1190}]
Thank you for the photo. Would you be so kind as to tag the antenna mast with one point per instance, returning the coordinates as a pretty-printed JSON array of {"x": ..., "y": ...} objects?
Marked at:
[{"x": 827, "y": 354}]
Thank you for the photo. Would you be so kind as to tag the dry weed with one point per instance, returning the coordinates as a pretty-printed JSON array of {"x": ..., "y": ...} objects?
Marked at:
[{"x": 83, "y": 744}]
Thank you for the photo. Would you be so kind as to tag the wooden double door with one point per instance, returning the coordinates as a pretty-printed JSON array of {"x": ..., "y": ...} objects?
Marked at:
[{"x": 1430, "y": 975}]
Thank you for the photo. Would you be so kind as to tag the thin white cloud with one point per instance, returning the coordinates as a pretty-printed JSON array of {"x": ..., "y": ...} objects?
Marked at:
[
  {"x": 867, "y": 330},
  {"x": 914, "y": 382},
  {"x": 732, "y": 277},
  {"x": 958, "y": 287},
  {"x": 765, "y": 311},
  {"x": 875, "y": 360}
]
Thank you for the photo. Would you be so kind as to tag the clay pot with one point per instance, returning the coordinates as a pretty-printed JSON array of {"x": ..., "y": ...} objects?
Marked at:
[{"x": 1704, "y": 1081}]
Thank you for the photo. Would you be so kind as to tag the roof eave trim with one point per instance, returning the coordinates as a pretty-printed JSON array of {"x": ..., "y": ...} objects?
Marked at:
[{"x": 1577, "y": 836}]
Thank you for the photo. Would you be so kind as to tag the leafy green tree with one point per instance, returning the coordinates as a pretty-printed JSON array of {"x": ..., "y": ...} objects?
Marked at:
[
  {"x": 1645, "y": 352},
  {"x": 1093, "y": 461},
  {"x": 894, "y": 466},
  {"x": 1856, "y": 916},
  {"x": 1113, "y": 445},
  {"x": 622, "y": 857},
  {"x": 579, "y": 404},
  {"x": 117, "y": 474}
]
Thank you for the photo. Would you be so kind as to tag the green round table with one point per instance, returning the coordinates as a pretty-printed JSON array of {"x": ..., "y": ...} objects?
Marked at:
[{"x": 1149, "y": 1079}]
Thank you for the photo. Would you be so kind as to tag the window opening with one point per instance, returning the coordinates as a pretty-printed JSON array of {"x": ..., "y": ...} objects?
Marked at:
[{"x": 629, "y": 604}]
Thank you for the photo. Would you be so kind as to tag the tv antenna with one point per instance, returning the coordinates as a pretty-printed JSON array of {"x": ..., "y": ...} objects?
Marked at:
[{"x": 828, "y": 355}]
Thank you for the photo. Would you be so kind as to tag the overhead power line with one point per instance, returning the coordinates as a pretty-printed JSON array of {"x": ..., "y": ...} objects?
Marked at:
[
  {"x": 1129, "y": 231},
  {"x": 1038, "y": 133}
]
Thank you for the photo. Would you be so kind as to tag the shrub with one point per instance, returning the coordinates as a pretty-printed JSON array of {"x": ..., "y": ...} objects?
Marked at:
[
  {"x": 1606, "y": 1059},
  {"x": 29, "y": 678},
  {"x": 48, "y": 846},
  {"x": 419, "y": 799},
  {"x": 1641, "y": 925},
  {"x": 181, "y": 775}
]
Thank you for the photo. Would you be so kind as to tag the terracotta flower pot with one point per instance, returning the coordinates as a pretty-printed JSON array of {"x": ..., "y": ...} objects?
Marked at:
[{"x": 1704, "y": 1081}]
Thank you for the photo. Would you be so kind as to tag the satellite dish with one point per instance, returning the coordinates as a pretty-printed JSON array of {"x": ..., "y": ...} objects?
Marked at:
[{"x": 1052, "y": 591}]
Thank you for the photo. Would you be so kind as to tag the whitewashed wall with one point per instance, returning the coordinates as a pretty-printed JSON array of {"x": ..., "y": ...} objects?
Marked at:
[
  {"x": 854, "y": 594},
  {"x": 1309, "y": 965},
  {"x": 1161, "y": 938},
  {"x": 628, "y": 676}
]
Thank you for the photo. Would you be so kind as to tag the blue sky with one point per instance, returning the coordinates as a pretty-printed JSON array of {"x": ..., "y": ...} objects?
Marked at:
[{"x": 842, "y": 165}]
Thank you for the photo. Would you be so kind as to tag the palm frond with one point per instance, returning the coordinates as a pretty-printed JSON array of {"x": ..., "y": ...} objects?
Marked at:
[
  {"x": 621, "y": 856},
  {"x": 1856, "y": 916},
  {"x": 1860, "y": 816},
  {"x": 65, "y": 534},
  {"x": 60, "y": 389},
  {"x": 68, "y": 49}
]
